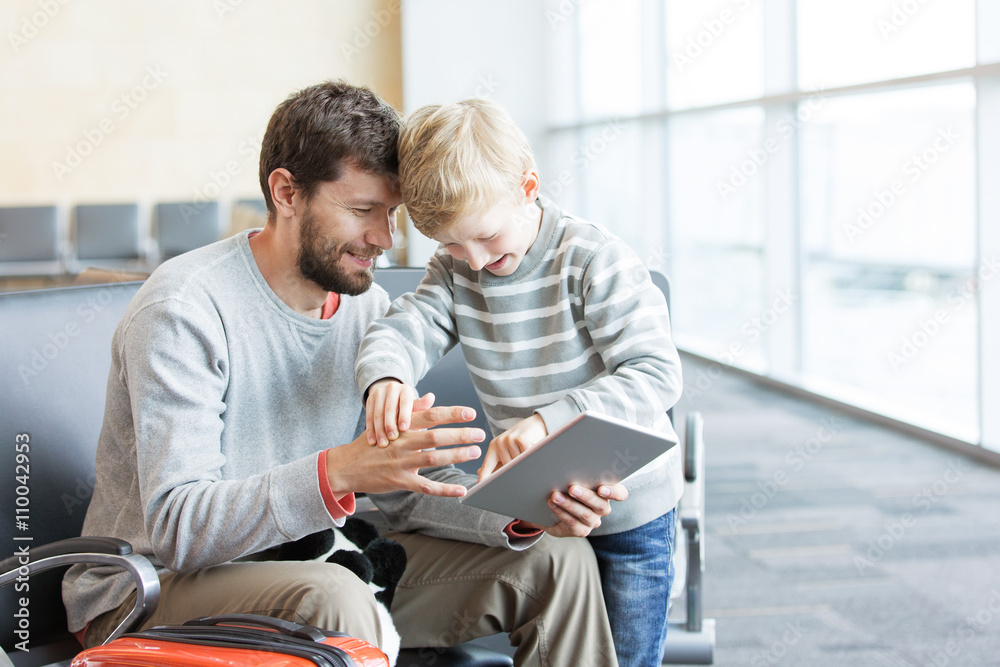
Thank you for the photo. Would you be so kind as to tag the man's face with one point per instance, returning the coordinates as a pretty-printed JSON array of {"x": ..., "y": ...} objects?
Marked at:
[{"x": 345, "y": 226}]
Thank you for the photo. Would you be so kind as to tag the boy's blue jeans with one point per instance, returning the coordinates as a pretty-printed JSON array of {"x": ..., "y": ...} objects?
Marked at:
[{"x": 636, "y": 574}]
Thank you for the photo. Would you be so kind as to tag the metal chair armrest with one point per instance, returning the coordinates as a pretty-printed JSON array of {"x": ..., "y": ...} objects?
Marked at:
[
  {"x": 95, "y": 551},
  {"x": 693, "y": 641},
  {"x": 695, "y": 549},
  {"x": 692, "y": 516}
]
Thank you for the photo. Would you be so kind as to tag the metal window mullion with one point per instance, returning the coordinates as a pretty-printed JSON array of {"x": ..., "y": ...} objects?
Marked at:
[
  {"x": 652, "y": 148},
  {"x": 781, "y": 215},
  {"x": 979, "y": 71},
  {"x": 988, "y": 223}
]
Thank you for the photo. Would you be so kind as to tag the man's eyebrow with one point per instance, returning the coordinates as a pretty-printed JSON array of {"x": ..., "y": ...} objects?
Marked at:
[{"x": 366, "y": 203}]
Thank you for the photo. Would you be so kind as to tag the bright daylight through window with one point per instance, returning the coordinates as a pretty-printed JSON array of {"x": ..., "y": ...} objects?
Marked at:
[{"x": 809, "y": 175}]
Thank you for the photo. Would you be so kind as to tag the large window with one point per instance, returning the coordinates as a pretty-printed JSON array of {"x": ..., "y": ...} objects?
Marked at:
[
  {"x": 714, "y": 51},
  {"x": 715, "y": 208},
  {"x": 857, "y": 41},
  {"x": 810, "y": 175},
  {"x": 889, "y": 235}
]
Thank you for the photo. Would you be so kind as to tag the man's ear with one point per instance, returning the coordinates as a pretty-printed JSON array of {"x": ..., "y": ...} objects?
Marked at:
[
  {"x": 531, "y": 185},
  {"x": 282, "y": 186}
]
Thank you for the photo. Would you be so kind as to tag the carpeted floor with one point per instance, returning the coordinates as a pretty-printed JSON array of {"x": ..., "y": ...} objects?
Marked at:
[{"x": 832, "y": 541}]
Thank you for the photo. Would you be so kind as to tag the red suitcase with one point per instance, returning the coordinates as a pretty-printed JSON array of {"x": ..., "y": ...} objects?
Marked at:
[{"x": 238, "y": 639}]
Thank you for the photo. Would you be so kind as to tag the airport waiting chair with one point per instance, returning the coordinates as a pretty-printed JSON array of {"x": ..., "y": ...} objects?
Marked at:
[
  {"x": 183, "y": 226},
  {"x": 107, "y": 236},
  {"x": 29, "y": 241},
  {"x": 689, "y": 641},
  {"x": 54, "y": 359}
]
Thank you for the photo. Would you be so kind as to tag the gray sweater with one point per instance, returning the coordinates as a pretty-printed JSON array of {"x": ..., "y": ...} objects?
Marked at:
[
  {"x": 220, "y": 399},
  {"x": 578, "y": 326}
]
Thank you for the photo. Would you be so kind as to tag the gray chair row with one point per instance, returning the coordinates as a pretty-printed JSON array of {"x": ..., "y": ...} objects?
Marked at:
[{"x": 110, "y": 235}]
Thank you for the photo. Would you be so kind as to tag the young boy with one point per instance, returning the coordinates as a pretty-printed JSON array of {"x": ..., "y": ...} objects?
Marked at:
[{"x": 555, "y": 316}]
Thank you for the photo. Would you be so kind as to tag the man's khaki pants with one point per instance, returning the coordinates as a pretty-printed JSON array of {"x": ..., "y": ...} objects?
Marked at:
[{"x": 548, "y": 598}]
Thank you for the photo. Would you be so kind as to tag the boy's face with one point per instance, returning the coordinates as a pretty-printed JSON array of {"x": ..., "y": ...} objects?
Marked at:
[{"x": 496, "y": 240}]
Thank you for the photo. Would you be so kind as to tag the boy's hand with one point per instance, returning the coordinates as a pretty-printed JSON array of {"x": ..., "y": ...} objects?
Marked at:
[
  {"x": 360, "y": 468},
  {"x": 580, "y": 511},
  {"x": 388, "y": 410},
  {"x": 521, "y": 437}
]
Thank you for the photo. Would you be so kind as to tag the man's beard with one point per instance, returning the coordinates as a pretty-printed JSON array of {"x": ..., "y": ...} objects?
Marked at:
[{"x": 319, "y": 261}]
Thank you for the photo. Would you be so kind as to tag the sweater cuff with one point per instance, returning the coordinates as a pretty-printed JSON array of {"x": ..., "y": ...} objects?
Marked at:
[
  {"x": 559, "y": 413},
  {"x": 368, "y": 373},
  {"x": 516, "y": 529},
  {"x": 337, "y": 509}
]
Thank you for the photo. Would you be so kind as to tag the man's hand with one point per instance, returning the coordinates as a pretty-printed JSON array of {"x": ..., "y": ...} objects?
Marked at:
[
  {"x": 520, "y": 437},
  {"x": 388, "y": 410},
  {"x": 359, "y": 467},
  {"x": 581, "y": 511}
]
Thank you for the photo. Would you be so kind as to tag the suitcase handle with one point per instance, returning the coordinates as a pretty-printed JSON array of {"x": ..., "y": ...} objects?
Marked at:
[{"x": 289, "y": 628}]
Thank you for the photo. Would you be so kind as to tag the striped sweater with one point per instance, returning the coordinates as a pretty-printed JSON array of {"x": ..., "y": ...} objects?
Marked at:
[{"x": 578, "y": 326}]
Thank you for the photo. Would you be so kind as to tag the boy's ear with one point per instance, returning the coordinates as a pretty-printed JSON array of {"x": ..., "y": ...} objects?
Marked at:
[{"x": 531, "y": 185}]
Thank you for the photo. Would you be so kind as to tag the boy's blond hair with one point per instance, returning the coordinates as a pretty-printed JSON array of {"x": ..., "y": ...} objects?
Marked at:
[{"x": 460, "y": 159}]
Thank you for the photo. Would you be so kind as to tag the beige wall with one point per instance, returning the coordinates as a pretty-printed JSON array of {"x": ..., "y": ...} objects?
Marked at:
[{"x": 157, "y": 100}]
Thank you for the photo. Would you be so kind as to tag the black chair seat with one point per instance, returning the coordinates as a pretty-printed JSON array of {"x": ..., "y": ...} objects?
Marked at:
[{"x": 466, "y": 655}]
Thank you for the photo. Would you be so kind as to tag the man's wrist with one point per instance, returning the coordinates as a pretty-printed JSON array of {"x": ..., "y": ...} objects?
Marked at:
[
  {"x": 338, "y": 505},
  {"x": 337, "y": 485}
]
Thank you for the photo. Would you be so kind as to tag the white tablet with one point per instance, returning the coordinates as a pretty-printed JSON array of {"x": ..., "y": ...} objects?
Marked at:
[{"x": 590, "y": 450}]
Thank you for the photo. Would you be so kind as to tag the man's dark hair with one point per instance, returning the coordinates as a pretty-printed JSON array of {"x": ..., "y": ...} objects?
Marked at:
[{"x": 317, "y": 130}]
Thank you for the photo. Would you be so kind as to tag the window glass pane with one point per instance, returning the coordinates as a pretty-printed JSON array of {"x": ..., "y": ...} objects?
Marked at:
[
  {"x": 714, "y": 51},
  {"x": 854, "y": 41},
  {"x": 610, "y": 58},
  {"x": 889, "y": 234},
  {"x": 609, "y": 162},
  {"x": 559, "y": 173},
  {"x": 717, "y": 232},
  {"x": 603, "y": 173},
  {"x": 562, "y": 100}
]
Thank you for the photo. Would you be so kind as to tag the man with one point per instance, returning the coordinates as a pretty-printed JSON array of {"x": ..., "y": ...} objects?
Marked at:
[{"x": 230, "y": 398}]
